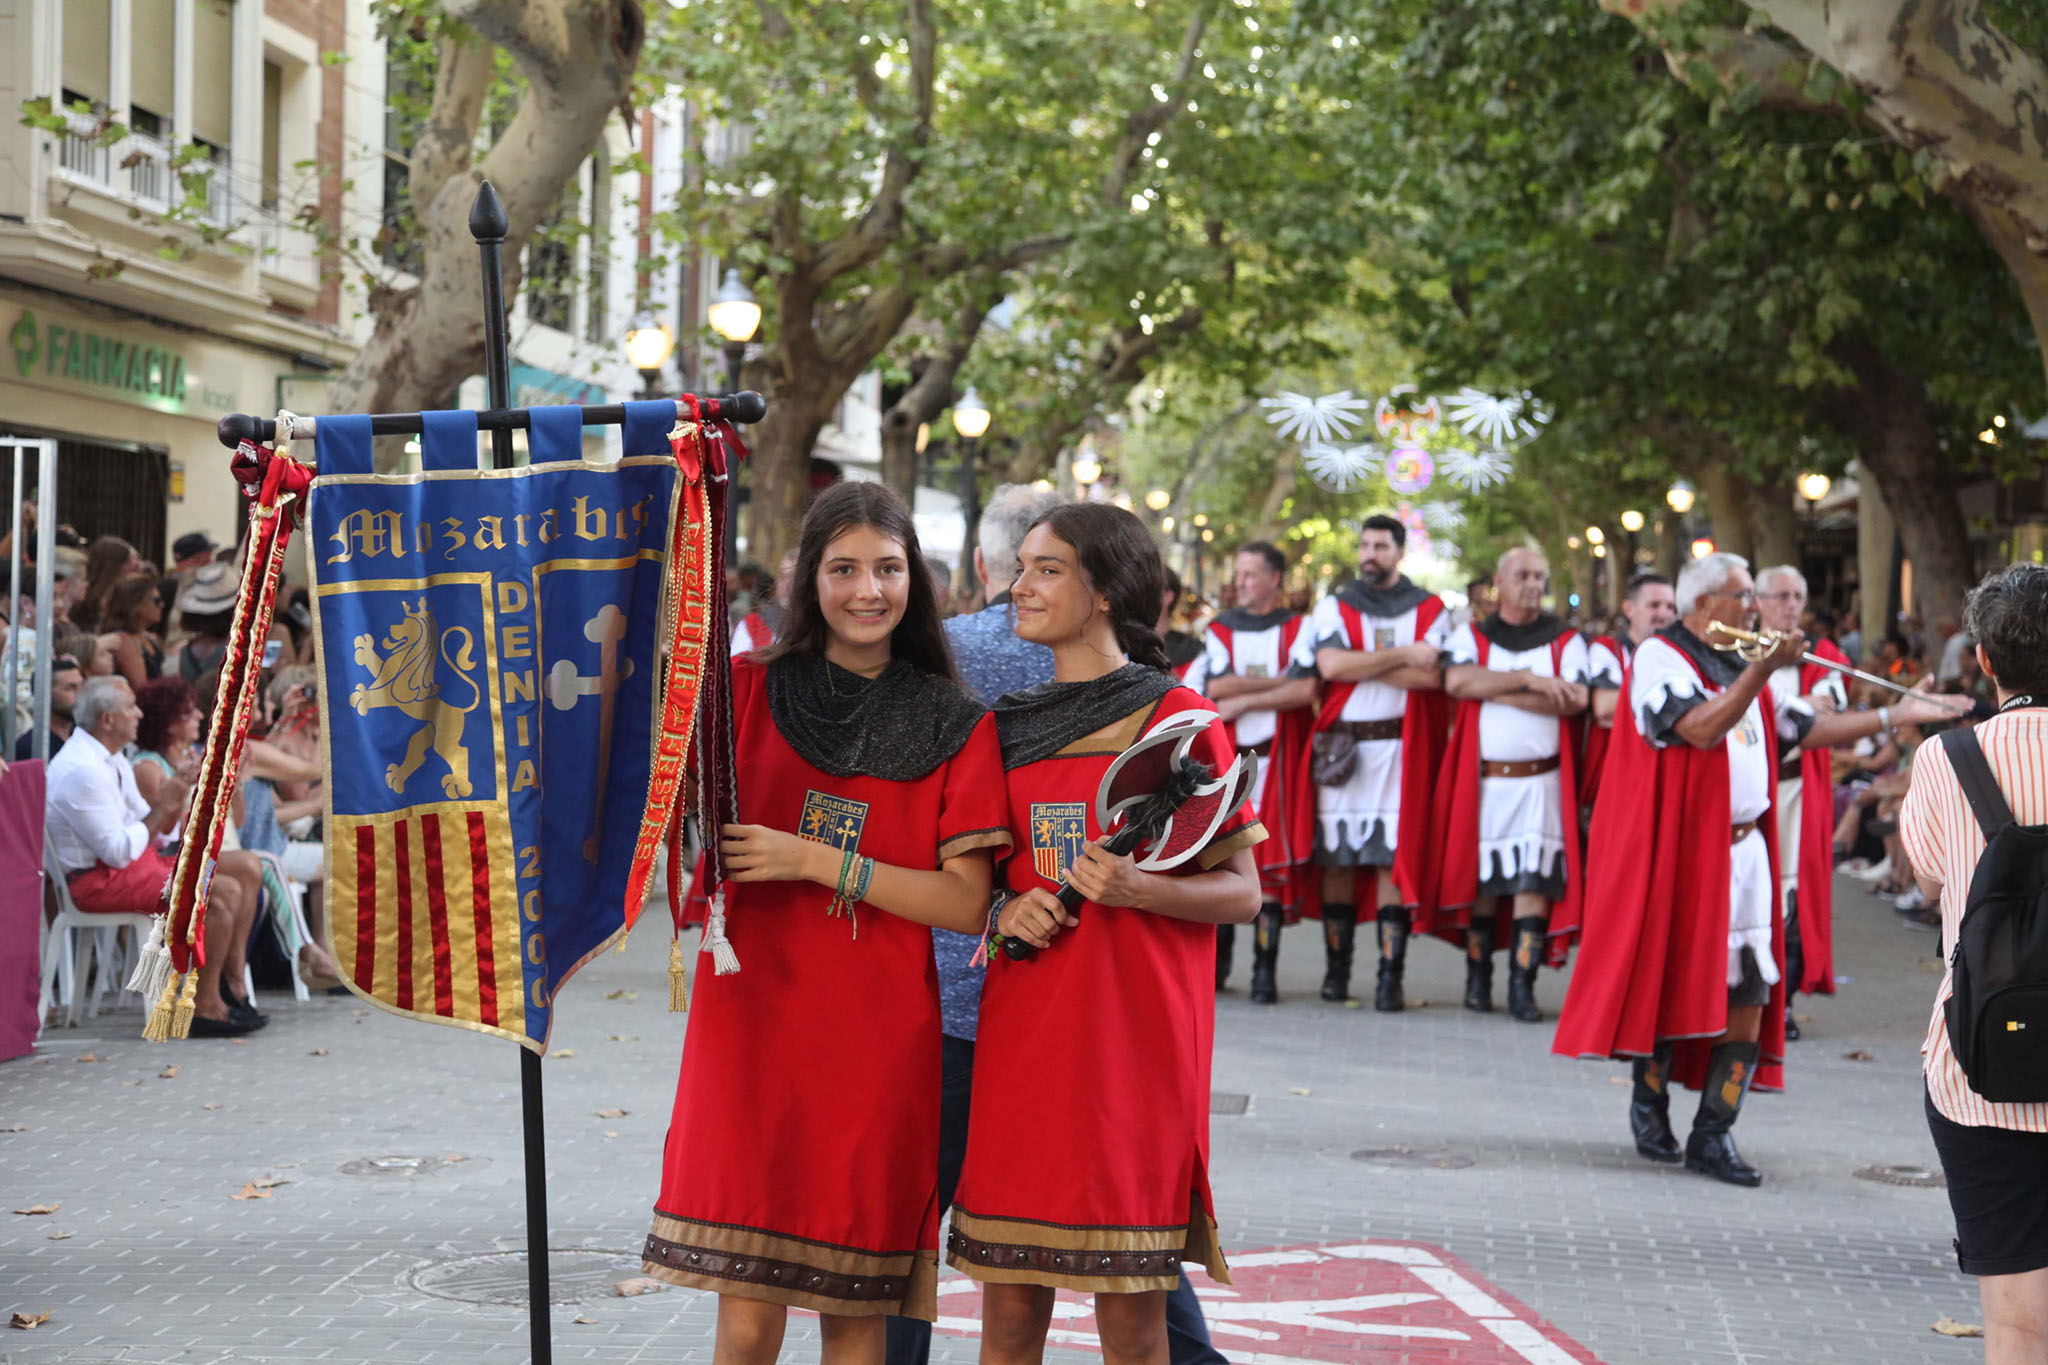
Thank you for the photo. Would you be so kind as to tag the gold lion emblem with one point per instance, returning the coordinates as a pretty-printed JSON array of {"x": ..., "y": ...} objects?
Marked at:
[{"x": 404, "y": 680}]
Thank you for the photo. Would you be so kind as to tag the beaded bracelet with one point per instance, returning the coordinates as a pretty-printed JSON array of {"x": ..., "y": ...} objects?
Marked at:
[{"x": 860, "y": 885}]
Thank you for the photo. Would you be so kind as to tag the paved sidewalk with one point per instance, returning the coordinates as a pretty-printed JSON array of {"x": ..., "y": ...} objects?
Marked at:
[{"x": 1518, "y": 1209}]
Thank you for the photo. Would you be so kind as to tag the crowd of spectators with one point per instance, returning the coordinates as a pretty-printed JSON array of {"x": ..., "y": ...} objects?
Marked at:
[{"x": 135, "y": 662}]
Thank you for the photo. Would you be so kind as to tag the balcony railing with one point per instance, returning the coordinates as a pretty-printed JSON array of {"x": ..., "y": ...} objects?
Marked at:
[
  {"x": 138, "y": 169},
  {"x": 80, "y": 153}
]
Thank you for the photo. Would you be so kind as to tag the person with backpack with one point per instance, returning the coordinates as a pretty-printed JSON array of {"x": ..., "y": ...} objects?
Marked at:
[{"x": 1975, "y": 824}]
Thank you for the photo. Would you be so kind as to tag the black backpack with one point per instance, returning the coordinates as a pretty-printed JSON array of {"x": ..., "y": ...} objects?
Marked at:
[{"x": 1997, "y": 1012}]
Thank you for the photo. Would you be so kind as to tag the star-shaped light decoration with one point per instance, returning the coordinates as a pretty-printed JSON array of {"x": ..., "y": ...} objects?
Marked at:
[
  {"x": 1443, "y": 517},
  {"x": 1476, "y": 470},
  {"x": 1499, "y": 421},
  {"x": 1314, "y": 421},
  {"x": 1339, "y": 468}
]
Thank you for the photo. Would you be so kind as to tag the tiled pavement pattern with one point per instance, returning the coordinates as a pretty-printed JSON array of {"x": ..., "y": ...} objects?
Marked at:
[{"x": 1638, "y": 1263}]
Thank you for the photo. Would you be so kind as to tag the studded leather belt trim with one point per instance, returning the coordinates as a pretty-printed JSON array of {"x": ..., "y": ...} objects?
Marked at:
[
  {"x": 1059, "y": 1261},
  {"x": 1534, "y": 767},
  {"x": 1369, "y": 729},
  {"x": 782, "y": 1274},
  {"x": 1741, "y": 832}
]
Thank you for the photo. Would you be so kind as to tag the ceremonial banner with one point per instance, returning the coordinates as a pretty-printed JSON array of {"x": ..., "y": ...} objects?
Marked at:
[{"x": 491, "y": 666}]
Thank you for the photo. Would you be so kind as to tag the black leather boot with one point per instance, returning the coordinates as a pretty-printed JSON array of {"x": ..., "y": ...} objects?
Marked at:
[
  {"x": 1265, "y": 956},
  {"x": 1710, "y": 1149},
  {"x": 1479, "y": 966},
  {"x": 1649, "y": 1108},
  {"x": 1340, "y": 934},
  {"x": 1226, "y": 948},
  {"x": 1795, "y": 964},
  {"x": 1393, "y": 934},
  {"x": 1528, "y": 956}
]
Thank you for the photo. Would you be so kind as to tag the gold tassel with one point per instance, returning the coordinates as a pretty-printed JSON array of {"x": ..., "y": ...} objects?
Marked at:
[
  {"x": 158, "y": 1029},
  {"x": 181, "y": 1018},
  {"x": 678, "y": 984}
]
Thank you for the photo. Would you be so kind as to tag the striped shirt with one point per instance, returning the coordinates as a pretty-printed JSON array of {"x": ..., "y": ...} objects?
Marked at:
[{"x": 1942, "y": 837}]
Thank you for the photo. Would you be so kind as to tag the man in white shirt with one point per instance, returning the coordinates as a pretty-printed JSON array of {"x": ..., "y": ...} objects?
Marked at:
[
  {"x": 110, "y": 843},
  {"x": 1519, "y": 676}
]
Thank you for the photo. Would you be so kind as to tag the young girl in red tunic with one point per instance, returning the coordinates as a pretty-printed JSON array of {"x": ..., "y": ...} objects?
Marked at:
[
  {"x": 1088, "y": 1140},
  {"x": 802, "y": 1161}
]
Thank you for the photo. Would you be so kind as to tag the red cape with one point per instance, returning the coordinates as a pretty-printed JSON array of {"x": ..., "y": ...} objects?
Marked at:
[
  {"x": 1598, "y": 736},
  {"x": 1451, "y": 887},
  {"x": 1653, "y": 966},
  {"x": 1816, "y": 898},
  {"x": 1423, "y": 727},
  {"x": 1287, "y": 871}
]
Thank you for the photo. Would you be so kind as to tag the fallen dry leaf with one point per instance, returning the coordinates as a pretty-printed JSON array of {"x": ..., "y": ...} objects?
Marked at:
[
  {"x": 1949, "y": 1327},
  {"x": 638, "y": 1285},
  {"x": 131, "y": 1082},
  {"x": 28, "y": 1322},
  {"x": 609, "y": 1134},
  {"x": 1297, "y": 1090},
  {"x": 318, "y": 1052},
  {"x": 34, "y": 1209},
  {"x": 269, "y": 1182},
  {"x": 239, "y": 1042},
  {"x": 169, "y": 1073},
  {"x": 211, "y": 1104},
  {"x": 622, "y": 994},
  {"x": 57, "y": 1237},
  {"x": 454, "y": 1157},
  {"x": 1859, "y": 1055},
  {"x": 13, "y": 1128},
  {"x": 249, "y": 1191},
  {"x": 613, "y": 1113},
  {"x": 563, "y": 1052},
  {"x": 94, "y": 1057},
  {"x": 623, "y": 1037},
  {"x": 587, "y": 1322}
]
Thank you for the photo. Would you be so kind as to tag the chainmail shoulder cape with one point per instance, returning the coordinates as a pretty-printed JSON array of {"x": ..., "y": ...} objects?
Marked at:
[
  {"x": 1182, "y": 648},
  {"x": 1237, "y": 618},
  {"x": 1716, "y": 667},
  {"x": 899, "y": 726},
  {"x": 1384, "y": 603},
  {"x": 1529, "y": 635},
  {"x": 1040, "y": 721}
]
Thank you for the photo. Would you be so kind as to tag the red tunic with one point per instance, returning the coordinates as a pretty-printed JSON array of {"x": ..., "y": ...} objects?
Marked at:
[
  {"x": 1598, "y": 736},
  {"x": 1452, "y": 884},
  {"x": 1653, "y": 961},
  {"x": 1288, "y": 877},
  {"x": 1816, "y": 898},
  {"x": 802, "y": 1160},
  {"x": 1088, "y": 1141}
]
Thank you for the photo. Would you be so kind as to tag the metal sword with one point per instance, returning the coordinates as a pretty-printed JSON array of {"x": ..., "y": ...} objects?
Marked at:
[{"x": 1753, "y": 645}]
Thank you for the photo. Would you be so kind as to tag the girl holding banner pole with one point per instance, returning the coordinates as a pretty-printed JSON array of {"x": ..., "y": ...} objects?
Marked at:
[{"x": 801, "y": 1166}]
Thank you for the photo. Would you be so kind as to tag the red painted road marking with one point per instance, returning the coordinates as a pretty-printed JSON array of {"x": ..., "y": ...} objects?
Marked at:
[{"x": 1388, "y": 1303}]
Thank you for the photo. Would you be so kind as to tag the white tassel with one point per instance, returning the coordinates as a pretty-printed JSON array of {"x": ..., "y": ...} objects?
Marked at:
[
  {"x": 153, "y": 967},
  {"x": 724, "y": 961}
]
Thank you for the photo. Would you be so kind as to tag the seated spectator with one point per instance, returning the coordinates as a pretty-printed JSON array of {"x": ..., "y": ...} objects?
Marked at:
[
  {"x": 1895, "y": 659},
  {"x": 206, "y": 610},
  {"x": 127, "y": 624},
  {"x": 108, "y": 560},
  {"x": 65, "y": 679},
  {"x": 84, "y": 647},
  {"x": 1994, "y": 1155},
  {"x": 111, "y": 844}
]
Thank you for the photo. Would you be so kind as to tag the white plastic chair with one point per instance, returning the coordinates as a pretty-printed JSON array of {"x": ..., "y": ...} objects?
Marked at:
[{"x": 73, "y": 941}]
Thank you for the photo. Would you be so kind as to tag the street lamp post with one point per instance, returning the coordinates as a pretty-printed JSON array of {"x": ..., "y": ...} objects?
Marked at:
[
  {"x": 648, "y": 345},
  {"x": 970, "y": 418},
  {"x": 735, "y": 315}
]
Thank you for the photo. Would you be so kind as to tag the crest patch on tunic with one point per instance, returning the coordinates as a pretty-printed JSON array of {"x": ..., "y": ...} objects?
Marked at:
[
  {"x": 832, "y": 820},
  {"x": 1257, "y": 671},
  {"x": 1382, "y": 637},
  {"x": 1749, "y": 733},
  {"x": 1058, "y": 830}
]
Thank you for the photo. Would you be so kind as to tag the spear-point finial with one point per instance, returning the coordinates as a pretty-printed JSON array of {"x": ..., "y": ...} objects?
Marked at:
[{"x": 487, "y": 221}]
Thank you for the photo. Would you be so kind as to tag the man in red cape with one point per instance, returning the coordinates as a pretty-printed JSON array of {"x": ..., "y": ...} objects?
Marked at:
[
  {"x": 1806, "y": 805},
  {"x": 1373, "y": 751},
  {"x": 1647, "y": 607},
  {"x": 1506, "y": 812},
  {"x": 1247, "y": 671},
  {"x": 1681, "y": 969}
]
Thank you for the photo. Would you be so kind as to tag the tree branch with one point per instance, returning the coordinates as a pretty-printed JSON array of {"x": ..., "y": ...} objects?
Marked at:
[
  {"x": 882, "y": 222},
  {"x": 1154, "y": 114},
  {"x": 447, "y": 142}
]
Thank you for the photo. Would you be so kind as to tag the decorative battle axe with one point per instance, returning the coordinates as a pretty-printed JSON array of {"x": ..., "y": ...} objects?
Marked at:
[{"x": 1161, "y": 803}]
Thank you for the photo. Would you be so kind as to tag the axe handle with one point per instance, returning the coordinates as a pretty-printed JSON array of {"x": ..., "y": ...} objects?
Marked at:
[{"x": 1123, "y": 841}]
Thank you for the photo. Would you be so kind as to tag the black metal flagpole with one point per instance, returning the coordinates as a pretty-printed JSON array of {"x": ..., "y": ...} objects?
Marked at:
[{"x": 487, "y": 223}]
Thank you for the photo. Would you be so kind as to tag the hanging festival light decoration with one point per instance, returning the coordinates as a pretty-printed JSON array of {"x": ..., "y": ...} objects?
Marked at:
[
  {"x": 1314, "y": 421},
  {"x": 1475, "y": 470},
  {"x": 1442, "y": 518},
  {"x": 1409, "y": 469},
  {"x": 1339, "y": 468},
  {"x": 1498, "y": 421}
]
